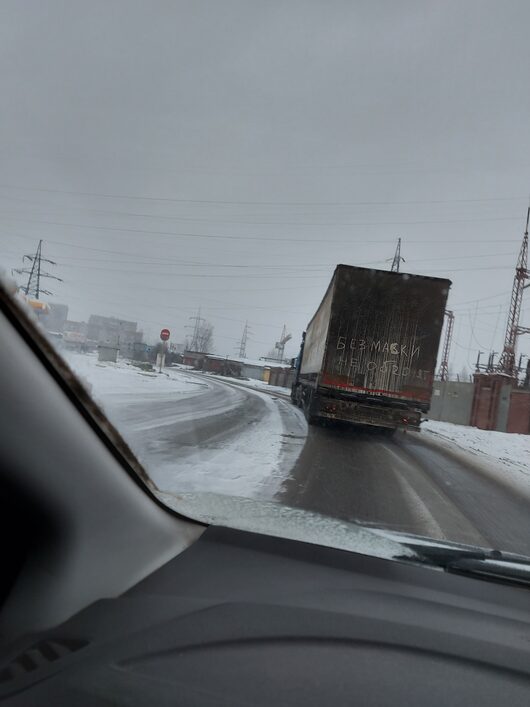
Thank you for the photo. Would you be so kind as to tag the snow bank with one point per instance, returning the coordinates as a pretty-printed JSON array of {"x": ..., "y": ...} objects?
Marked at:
[
  {"x": 261, "y": 385},
  {"x": 507, "y": 454},
  {"x": 247, "y": 464},
  {"x": 108, "y": 382},
  {"x": 253, "y": 384}
]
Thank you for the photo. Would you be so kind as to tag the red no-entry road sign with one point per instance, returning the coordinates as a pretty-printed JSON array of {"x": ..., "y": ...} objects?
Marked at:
[{"x": 165, "y": 334}]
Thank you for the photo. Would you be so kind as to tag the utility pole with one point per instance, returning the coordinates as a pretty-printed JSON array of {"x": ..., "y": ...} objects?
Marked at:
[
  {"x": 513, "y": 330},
  {"x": 243, "y": 342},
  {"x": 444, "y": 366},
  {"x": 397, "y": 258},
  {"x": 35, "y": 273},
  {"x": 197, "y": 319}
]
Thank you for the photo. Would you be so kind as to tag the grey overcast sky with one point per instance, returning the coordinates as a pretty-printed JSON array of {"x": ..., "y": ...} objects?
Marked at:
[{"x": 227, "y": 154}]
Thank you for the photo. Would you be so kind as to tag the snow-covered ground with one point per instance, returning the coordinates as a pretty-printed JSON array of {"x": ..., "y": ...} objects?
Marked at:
[
  {"x": 508, "y": 454},
  {"x": 122, "y": 381},
  {"x": 247, "y": 464},
  {"x": 151, "y": 410}
]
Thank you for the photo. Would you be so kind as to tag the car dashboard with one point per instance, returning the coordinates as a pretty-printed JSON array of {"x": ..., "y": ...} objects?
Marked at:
[{"x": 245, "y": 619}]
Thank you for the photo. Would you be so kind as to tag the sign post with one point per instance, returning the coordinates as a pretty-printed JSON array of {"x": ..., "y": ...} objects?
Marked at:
[{"x": 161, "y": 356}]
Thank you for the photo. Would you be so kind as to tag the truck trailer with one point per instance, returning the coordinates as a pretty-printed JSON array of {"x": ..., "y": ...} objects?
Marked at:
[{"x": 368, "y": 355}]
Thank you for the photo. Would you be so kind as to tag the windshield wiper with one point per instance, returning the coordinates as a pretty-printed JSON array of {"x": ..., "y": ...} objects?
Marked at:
[
  {"x": 493, "y": 565},
  {"x": 501, "y": 570}
]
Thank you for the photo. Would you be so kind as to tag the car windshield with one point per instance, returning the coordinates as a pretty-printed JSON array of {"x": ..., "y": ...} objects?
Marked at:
[{"x": 284, "y": 246}]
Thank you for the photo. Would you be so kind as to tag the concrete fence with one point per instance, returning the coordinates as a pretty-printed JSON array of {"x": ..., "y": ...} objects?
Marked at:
[
  {"x": 491, "y": 402},
  {"x": 451, "y": 402}
]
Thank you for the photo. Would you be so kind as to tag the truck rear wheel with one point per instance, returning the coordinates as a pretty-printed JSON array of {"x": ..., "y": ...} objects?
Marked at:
[
  {"x": 295, "y": 396},
  {"x": 311, "y": 419},
  {"x": 306, "y": 406}
]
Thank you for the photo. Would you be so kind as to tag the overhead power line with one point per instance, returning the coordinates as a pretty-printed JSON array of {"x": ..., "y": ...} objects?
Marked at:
[
  {"x": 245, "y": 221},
  {"x": 441, "y": 244},
  {"x": 222, "y": 236},
  {"x": 141, "y": 260},
  {"x": 364, "y": 224},
  {"x": 275, "y": 276},
  {"x": 211, "y": 311},
  {"x": 262, "y": 203}
]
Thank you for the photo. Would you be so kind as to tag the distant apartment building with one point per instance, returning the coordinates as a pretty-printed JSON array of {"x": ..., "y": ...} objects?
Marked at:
[{"x": 115, "y": 333}]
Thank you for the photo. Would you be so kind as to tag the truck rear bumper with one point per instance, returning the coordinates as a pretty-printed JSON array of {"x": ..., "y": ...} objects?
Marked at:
[{"x": 362, "y": 414}]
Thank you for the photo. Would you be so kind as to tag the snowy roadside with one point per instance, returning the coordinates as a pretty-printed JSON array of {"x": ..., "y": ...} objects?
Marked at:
[
  {"x": 505, "y": 455},
  {"x": 261, "y": 385},
  {"x": 250, "y": 383},
  {"x": 248, "y": 464},
  {"x": 122, "y": 382}
]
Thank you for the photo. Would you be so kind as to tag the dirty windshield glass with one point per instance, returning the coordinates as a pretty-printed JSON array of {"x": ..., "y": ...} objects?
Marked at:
[{"x": 284, "y": 247}]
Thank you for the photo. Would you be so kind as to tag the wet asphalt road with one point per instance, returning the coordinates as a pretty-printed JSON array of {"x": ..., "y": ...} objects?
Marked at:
[
  {"x": 403, "y": 483},
  {"x": 406, "y": 484}
]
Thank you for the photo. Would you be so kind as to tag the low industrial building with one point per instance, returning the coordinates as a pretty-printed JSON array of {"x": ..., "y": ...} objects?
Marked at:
[{"x": 233, "y": 366}]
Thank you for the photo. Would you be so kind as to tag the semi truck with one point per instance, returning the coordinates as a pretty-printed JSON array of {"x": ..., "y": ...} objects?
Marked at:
[{"x": 368, "y": 355}]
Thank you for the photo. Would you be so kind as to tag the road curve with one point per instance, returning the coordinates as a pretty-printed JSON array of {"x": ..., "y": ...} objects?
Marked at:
[
  {"x": 215, "y": 436},
  {"x": 402, "y": 483},
  {"x": 171, "y": 426}
]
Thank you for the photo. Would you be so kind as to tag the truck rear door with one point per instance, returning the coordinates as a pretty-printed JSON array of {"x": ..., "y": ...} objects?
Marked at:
[{"x": 384, "y": 333}]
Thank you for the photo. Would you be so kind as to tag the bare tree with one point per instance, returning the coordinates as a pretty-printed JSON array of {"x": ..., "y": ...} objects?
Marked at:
[{"x": 204, "y": 339}]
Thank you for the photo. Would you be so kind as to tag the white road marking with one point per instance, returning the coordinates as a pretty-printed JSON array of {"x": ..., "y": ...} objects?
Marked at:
[{"x": 418, "y": 505}]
